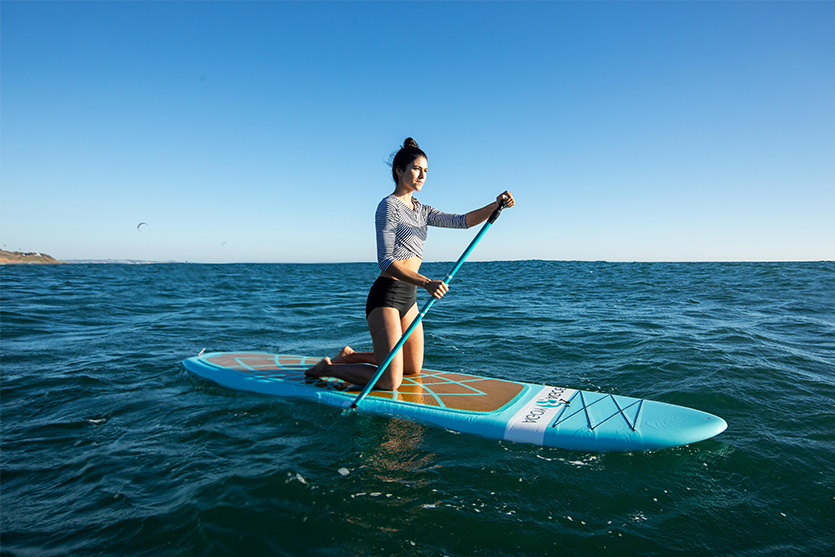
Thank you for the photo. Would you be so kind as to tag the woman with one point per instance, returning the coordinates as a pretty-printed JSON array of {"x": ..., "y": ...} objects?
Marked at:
[{"x": 392, "y": 302}]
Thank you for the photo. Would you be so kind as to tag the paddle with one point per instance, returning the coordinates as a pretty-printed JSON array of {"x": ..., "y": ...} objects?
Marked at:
[{"x": 382, "y": 367}]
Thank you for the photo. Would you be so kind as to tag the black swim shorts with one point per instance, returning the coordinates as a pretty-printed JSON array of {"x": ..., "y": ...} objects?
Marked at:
[{"x": 391, "y": 293}]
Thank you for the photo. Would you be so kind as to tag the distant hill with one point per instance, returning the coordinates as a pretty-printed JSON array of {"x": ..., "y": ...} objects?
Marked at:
[{"x": 31, "y": 257}]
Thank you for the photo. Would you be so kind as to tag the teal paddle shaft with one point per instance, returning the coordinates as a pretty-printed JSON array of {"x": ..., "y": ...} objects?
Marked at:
[{"x": 382, "y": 367}]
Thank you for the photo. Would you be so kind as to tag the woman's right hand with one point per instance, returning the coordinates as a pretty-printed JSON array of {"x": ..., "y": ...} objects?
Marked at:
[{"x": 436, "y": 288}]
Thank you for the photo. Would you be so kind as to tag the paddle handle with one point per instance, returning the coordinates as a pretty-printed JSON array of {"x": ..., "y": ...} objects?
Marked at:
[{"x": 385, "y": 363}]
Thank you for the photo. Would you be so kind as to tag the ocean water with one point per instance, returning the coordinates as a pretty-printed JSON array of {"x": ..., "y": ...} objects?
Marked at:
[{"x": 109, "y": 447}]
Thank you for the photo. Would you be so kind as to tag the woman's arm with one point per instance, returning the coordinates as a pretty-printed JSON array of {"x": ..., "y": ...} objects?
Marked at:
[
  {"x": 402, "y": 271},
  {"x": 480, "y": 215}
]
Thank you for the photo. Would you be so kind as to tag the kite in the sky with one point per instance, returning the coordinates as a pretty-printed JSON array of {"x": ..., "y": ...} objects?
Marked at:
[{"x": 141, "y": 224}]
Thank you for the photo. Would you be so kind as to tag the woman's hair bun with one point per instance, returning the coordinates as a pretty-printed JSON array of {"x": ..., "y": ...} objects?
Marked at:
[{"x": 410, "y": 143}]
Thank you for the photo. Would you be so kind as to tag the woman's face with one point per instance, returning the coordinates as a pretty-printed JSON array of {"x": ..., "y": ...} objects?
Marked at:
[{"x": 414, "y": 175}]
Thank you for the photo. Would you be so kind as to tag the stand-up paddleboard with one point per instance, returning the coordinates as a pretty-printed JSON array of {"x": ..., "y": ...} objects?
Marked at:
[{"x": 494, "y": 408}]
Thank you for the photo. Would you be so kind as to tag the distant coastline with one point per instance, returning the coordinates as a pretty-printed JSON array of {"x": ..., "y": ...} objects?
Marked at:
[
  {"x": 29, "y": 258},
  {"x": 18, "y": 257}
]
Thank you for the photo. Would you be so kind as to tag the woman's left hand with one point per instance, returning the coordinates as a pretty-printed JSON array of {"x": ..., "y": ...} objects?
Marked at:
[
  {"x": 505, "y": 198},
  {"x": 481, "y": 215}
]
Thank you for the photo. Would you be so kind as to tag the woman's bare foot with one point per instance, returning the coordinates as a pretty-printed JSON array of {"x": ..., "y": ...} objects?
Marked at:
[
  {"x": 319, "y": 369},
  {"x": 343, "y": 355}
]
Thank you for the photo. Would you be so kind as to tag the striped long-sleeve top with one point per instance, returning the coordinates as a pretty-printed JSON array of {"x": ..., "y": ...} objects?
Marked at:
[{"x": 401, "y": 231}]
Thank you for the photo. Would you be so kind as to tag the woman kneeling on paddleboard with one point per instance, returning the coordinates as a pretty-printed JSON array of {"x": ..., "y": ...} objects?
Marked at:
[{"x": 401, "y": 222}]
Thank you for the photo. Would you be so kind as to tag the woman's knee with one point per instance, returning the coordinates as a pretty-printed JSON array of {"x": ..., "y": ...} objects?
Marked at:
[
  {"x": 412, "y": 367},
  {"x": 392, "y": 377},
  {"x": 389, "y": 383}
]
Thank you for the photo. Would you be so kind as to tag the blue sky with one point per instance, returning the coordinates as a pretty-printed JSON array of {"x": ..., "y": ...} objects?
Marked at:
[{"x": 248, "y": 132}]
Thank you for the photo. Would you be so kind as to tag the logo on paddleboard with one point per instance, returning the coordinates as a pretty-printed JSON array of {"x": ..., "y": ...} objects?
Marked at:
[
  {"x": 553, "y": 399},
  {"x": 530, "y": 422}
]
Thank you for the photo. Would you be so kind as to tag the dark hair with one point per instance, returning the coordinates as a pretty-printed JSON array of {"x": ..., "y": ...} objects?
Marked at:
[{"x": 406, "y": 155}]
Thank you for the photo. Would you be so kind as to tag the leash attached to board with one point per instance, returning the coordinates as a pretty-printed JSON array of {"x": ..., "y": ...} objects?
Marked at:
[{"x": 382, "y": 367}]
